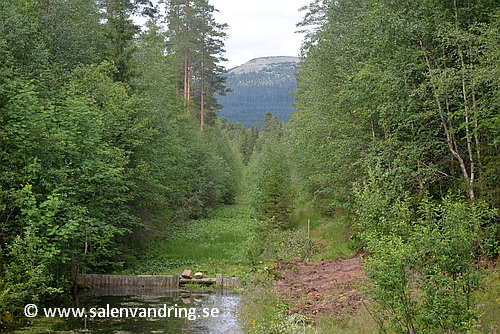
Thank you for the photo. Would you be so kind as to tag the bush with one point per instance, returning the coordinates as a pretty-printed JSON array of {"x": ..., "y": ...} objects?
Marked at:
[
  {"x": 422, "y": 264},
  {"x": 269, "y": 243}
]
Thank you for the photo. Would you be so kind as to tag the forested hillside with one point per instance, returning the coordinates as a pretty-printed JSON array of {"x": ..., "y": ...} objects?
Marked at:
[{"x": 261, "y": 85}]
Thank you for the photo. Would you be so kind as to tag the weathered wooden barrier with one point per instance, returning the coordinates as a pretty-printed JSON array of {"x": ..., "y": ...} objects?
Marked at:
[{"x": 167, "y": 281}]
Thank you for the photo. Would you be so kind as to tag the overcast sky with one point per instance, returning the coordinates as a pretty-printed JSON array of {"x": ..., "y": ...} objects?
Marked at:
[
  {"x": 260, "y": 28},
  {"x": 257, "y": 28}
]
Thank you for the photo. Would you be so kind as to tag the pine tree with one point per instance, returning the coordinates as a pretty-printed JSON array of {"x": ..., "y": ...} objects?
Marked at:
[{"x": 196, "y": 41}]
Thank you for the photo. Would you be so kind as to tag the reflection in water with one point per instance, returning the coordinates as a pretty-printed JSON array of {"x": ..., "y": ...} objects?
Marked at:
[{"x": 100, "y": 303}]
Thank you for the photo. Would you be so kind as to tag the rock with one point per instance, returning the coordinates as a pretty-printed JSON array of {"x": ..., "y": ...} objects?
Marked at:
[
  {"x": 186, "y": 300},
  {"x": 198, "y": 275},
  {"x": 187, "y": 274}
]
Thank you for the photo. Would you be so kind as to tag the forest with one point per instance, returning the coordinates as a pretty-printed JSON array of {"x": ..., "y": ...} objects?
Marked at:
[
  {"x": 110, "y": 140},
  {"x": 398, "y": 122},
  {"x": 100, "y": 141}
]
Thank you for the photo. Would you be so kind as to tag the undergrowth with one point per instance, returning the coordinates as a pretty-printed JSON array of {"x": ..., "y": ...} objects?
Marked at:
[
  {"x": 331, "y": 234},
  {"x": 265, "y": 312},
  {"x": 489, "y": 298}
]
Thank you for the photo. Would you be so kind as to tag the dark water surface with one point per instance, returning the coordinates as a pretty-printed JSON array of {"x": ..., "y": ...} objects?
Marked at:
[{"x": 190, "y": 312}]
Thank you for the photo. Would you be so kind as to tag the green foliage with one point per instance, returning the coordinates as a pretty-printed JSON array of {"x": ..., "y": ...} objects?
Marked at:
[
  {"x": 22, "y": 46},
  {"x": 28, "y": 259},
  {"x": 195, "y": 41},
  {"x": 120, "y": 31},
  {"x": 395, "y": 112},
  {"x": 264, "y": 311},
  {"x": 181, "y": 173},
  {"x": 95, "y": 150},
  {"x": 68, "y": 153},
  {"x": 73, "y": 32},
  {"x": 422, "y": 266},
  {"x": 225, "y": 171},
  {"x": 269, "y": 174},
  {"x": 403, "y": 86}
]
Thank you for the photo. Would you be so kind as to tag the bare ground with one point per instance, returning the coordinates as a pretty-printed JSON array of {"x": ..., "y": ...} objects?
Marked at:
[{"x": 328, "y": 287}]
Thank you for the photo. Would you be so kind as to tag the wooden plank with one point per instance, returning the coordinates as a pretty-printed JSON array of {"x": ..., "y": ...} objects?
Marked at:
[
  {"x": 176, "y": 281},
  {"x": 198, "y": 280}
]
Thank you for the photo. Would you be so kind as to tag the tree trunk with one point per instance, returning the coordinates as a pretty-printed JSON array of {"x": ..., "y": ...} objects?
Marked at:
[
  {"x": 186, "y": 81},
  {"x": 450, "y": 136},
  {"x": 202, "y": 103},
  {"x": 187, "y": 64}
]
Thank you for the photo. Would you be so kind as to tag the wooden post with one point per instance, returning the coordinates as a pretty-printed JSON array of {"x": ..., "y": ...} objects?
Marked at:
[
  {"x": 218, "y": 281},
  {"x": 309, "y": 229}
]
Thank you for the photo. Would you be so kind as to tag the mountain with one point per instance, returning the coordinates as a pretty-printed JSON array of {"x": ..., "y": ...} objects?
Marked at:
[{"x": 260, "y": 85}]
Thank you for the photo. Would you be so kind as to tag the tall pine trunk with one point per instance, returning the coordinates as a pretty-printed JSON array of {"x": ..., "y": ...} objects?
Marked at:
[
  {"x": 187, "y": 64},
  {"x": 202, "y": 103}
]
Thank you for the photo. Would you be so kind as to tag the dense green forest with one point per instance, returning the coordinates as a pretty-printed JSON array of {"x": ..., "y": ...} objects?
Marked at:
[
  {"x": 398, "y": 122},
  {"x": 109, "y": 138},
  {"x": 98, "y": 145}
]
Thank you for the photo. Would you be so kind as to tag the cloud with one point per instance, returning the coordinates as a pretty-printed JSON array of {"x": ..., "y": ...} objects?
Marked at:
[{"x": 260, "y": 28}]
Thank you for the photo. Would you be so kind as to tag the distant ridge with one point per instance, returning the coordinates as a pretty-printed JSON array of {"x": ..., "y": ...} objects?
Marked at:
[
  {"x": 260, "y": 85},
  {"x": 258, "y": 64}
]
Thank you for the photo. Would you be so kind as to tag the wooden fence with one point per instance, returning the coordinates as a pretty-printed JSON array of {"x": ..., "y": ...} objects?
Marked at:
[{"x": 167, "y": 281}]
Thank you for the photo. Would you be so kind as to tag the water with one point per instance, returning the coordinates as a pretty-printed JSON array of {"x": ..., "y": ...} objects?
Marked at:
[{"x": 190, "y": 312}]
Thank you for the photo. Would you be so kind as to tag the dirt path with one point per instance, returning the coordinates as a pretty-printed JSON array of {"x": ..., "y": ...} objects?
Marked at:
[{"x": 328, "y": 287}]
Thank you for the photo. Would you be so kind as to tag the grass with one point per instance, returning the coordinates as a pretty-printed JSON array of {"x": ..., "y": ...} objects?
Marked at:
[
  {"x": 361, "y": 323},
  {"x": 216, "y": 244},
  {"x": 331, "y": 233},
  {"x": 489, "y": 299}
]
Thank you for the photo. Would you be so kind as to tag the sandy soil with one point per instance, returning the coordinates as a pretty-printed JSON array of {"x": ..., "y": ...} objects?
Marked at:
[{"x": 328, "y": 287}]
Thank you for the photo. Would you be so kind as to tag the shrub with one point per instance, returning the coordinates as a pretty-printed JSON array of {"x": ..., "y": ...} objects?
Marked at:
[{"x": 422, "y": 267}]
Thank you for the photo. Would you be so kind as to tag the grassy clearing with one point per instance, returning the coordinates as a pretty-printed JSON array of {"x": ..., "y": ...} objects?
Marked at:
[
  {"x": 361, "y": 323},
  {"x": 216, "y": 244}
]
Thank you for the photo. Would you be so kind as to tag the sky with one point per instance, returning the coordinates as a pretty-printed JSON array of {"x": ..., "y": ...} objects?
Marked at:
[{"x": 259, "y": 28}]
